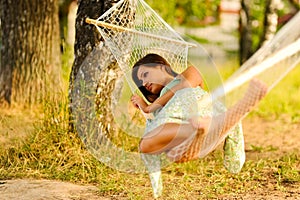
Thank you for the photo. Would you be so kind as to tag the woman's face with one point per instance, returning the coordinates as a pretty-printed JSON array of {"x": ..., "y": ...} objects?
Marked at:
[{"x": 152, "y": 78}]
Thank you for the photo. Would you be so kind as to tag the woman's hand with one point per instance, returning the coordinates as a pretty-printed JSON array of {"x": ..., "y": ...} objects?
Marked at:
[{"x": 139, "y": 102}]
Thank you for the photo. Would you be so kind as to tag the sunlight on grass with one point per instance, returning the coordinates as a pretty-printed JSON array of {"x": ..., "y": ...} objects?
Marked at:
[{"x": 283, "y": 98}]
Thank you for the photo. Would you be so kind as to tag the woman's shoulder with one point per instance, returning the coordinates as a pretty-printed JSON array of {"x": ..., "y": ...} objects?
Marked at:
[
  {"x": 171, "y": 84},
  {"x": 192, "y": 76}
]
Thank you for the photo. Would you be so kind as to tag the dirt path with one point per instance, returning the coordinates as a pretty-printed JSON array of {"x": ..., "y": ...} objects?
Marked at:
[
  {"x": 271, "y": 138},
  {"x": 46, "y": 190}
]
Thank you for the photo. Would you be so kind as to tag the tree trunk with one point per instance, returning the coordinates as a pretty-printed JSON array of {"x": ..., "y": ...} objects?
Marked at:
[
  {"x": 295, "y": 4},
  {"x": 270, "y": 21},
  {"x": 245, "y": 32},
  {"x": 30, "y": 53},
  {"x": 90, "y": 55}
]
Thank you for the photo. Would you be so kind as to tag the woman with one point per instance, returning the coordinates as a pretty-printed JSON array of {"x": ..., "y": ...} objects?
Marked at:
[{"x": 173, "y": 99}]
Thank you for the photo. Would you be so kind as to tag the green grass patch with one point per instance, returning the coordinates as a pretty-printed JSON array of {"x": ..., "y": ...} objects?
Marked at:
[{"x": 283, "y": 99}]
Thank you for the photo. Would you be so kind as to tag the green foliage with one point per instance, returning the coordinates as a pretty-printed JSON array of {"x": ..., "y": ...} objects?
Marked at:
[
  {"x": 185, "y": 12},
  {"x": 257, "y": 17}
]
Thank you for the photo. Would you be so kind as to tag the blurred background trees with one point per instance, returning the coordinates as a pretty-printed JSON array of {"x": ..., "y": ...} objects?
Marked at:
[
  {"x": 260, "y": 20},
  {"x": 187, "y": 12}
]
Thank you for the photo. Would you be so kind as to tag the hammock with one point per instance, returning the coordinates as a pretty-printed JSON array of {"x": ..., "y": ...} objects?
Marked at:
[{"x": 131, "y": 30}]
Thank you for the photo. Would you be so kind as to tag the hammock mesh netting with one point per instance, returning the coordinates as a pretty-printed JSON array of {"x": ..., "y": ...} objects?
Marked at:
[{"x": 131, "y": 30}]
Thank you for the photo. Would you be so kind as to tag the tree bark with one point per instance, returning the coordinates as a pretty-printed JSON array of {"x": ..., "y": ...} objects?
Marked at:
[
  {"x": 88, "y": 42},
  {"x": 295, "y": 4},
  {"x": 30, "y": 53},
  {"x": 270, "y": 24},
  {"x": 270, "y": 21},
  {"x": 245, "y": 32}
]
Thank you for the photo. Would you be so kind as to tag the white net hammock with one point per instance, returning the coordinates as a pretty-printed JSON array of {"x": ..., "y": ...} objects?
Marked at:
[{"x": 131, "y": 30}]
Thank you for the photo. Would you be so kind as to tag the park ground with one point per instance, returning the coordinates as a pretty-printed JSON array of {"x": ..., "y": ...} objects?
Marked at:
[{"x": 265, "y": 139}]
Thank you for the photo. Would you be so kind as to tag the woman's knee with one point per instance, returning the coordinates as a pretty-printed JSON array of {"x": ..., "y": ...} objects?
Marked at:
[{"x": 145, "y": 146}]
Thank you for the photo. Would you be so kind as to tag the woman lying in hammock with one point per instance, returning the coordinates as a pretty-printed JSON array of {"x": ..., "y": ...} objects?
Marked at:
[{"x": 174, "y": 100}]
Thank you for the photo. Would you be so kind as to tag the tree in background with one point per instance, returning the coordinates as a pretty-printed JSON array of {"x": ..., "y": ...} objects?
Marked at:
[
  {"x": 259, "y": 22},
  {"x": 88, "y": 40},
  {"x": 245, "y": 32},
  {"x": 30, "y": 52}
]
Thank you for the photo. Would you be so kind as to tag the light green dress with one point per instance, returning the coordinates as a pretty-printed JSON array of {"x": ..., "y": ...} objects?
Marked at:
[{"x": 180, "y": 108}]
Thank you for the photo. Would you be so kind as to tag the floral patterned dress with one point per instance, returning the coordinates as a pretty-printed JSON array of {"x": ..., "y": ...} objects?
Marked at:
[{"x": 180, "y": 108}]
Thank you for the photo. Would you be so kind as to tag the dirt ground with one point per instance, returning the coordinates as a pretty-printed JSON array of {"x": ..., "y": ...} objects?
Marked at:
[
  {"x": 46, "y": 190},
  {"x": 275, "y": 138},
  {"x": 280, "y": 135}
]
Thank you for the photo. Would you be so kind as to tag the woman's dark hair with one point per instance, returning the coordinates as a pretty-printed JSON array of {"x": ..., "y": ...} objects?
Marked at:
[{"x": 150, "y": 60}]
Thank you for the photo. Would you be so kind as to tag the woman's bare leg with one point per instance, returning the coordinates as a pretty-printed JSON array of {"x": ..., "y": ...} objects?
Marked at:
[
  {"x": 256, "y": 91},
  {"x": 165, "y": 137}
]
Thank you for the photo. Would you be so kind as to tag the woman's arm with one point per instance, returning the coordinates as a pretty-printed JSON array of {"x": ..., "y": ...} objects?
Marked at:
[{"x": 190, "y": 77}]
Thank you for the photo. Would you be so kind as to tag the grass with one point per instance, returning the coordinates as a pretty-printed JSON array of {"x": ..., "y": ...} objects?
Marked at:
[
  {"x": 284, "y": 98},
  {"x": 52, "y": 152}
]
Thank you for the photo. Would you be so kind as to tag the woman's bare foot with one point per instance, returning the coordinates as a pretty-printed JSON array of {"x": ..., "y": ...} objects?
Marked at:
[{"x": 257, "y": 89}]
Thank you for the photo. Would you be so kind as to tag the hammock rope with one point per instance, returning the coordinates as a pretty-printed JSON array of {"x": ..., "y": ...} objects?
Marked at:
[
  {"x": 142, "y": 31},
  {"x": 120, "y": 28}
]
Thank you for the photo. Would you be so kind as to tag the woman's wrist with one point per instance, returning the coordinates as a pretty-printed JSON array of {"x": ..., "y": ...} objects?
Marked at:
[
  {"x": 146, "y": 109},
  {"x": 152, "y": 107}
]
